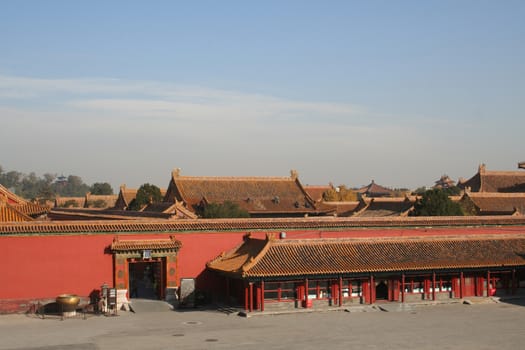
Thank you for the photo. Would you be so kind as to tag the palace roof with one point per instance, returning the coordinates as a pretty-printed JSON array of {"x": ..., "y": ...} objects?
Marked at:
[
  {"x": 444, "y": 182},
  {"x": 316, "y": 192},
  {"x": 488, "y": 203},
  {"x": 271, "y": 257},
  {"x": 125, "y": 196},
  {"x": 375, "y": 190},
  {"x": 177, "y": 209},
  {"x": 10, "y": 197},
  {"x": 494, "y": 181},
  {"x": 10, "y": 214},
  {"x": 256, "y": 195},
  {"x": 12, "y": 201},
  {"x": 397, "y": 206},
  {"x": 70, "y": 202},
  {"x": 100, "y": 201},
  {"x": 340, "y": 208},
  {"x": 119, "y": 245}
]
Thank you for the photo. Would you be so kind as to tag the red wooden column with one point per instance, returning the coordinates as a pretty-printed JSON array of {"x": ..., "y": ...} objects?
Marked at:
[
  {"x": 488, "y": 283},
  {"x": 461, "y": 285},
  {"x": 251, "y": 295},
  {"x": 262, "y": 295},
  {"x": 433, "y": 285},
  {"x": 340, "y": 291},
  {"x": 403, "y": 287},
  {"x": 372, "y": 290},
  {"x": 306, "y": 292},
  {"x": 365, "y": 291},
  {"x": 479, "y": 286}
]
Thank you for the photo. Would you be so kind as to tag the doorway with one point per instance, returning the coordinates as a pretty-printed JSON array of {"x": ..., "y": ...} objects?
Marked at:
[
  {"x": 382, "y": 291},
  {"x": 146, "y": 280}
]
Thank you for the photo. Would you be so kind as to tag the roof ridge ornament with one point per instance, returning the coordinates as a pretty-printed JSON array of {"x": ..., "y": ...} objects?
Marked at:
[
  {"x": 294, "y": 174},
  {"x": 482, "y": 168},
  {"x": 176, "y": 172}
]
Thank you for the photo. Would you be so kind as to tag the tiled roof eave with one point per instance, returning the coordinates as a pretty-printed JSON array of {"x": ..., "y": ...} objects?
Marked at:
[
  {"x": 304, "y": 211},
  {"x": 337, "y": 273},
  {"x": 188, "y": 225},
  {"x": 140, "y": 250},
  {"x": 170, "y": 245}
]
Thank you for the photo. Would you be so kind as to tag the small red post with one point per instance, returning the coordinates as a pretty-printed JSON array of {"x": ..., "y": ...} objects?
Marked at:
[
  {"x": 461, "y": 284},
  {"x": 433, "y": 285},
  {"x": 262, "y": 295},
  {"x": 246, "y": 302},
  {"x": 488, "y": 283},
  {"x": 403, "y": 287},
  {"x": 372, "y": 290},
  {"x": 340, "y": 291},
  {"x": 251, "y": 296},
  {"x": 306, "y": 292}
]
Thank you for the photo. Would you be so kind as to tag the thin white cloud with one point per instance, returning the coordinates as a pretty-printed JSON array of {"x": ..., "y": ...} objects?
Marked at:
[{"x": 144, "y": 98}]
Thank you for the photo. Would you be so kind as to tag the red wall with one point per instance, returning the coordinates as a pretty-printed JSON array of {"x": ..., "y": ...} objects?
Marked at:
[
  {"x": 45, "y": 266},
  {"x": 39, "y": 267}
]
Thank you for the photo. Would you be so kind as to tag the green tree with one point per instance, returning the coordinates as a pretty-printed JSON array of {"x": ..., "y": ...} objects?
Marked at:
[
  {"x": 31, "y": 186},
  {"x": 435, "y": 202},
  {"x": 420, "y": 191},
  {"x": 10, "y": 179},
  {"x": 101, "y": 188},
  {"x": 45, "y": 193},
  {"x": 340, "y": 194},
  {"x": 227, "y": 209},
  {"x": 452, "y": 191},
  {"x": 146, "y": 194},
  {"x": 73, "y": 186}
]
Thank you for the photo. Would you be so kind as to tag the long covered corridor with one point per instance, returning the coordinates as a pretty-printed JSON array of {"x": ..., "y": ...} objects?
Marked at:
[{"x": 276, "y": 273}]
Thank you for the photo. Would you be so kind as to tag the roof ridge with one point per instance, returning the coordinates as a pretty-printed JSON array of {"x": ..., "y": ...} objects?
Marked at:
[
  {"x": 504, "y": 172},
  {"x": 496, "y": 194},
  {"x": 235, "y": 178},
  {"x": 382, "y": 239},
  {"x": 270, "y": 239}
]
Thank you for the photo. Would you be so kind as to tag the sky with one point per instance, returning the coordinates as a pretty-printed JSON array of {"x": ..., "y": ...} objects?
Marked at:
[{"x": 344, "y": 92}]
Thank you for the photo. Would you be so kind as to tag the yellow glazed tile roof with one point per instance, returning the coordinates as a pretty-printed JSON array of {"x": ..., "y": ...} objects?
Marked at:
[{"x": 277, "y": 258}]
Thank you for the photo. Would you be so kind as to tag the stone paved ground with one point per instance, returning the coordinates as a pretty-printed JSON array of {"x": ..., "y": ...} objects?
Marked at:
[{"x": 453, "y": 326}]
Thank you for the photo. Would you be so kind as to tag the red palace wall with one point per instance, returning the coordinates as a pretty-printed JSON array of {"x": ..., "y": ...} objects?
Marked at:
[{"x": 42, "y": 267}]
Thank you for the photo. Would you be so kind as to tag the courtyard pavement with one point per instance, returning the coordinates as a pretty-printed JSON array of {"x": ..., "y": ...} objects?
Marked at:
[{"x": 478, "y": 325}]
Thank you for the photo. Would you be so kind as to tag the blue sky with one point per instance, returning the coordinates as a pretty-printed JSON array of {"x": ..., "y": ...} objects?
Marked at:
[{"x": 342, "y": 91}]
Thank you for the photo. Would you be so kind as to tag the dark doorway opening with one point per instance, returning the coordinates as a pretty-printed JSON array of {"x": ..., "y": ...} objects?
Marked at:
[
  {"x": 382, "y": 291},
  {"x": 146, "y": 279}
]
